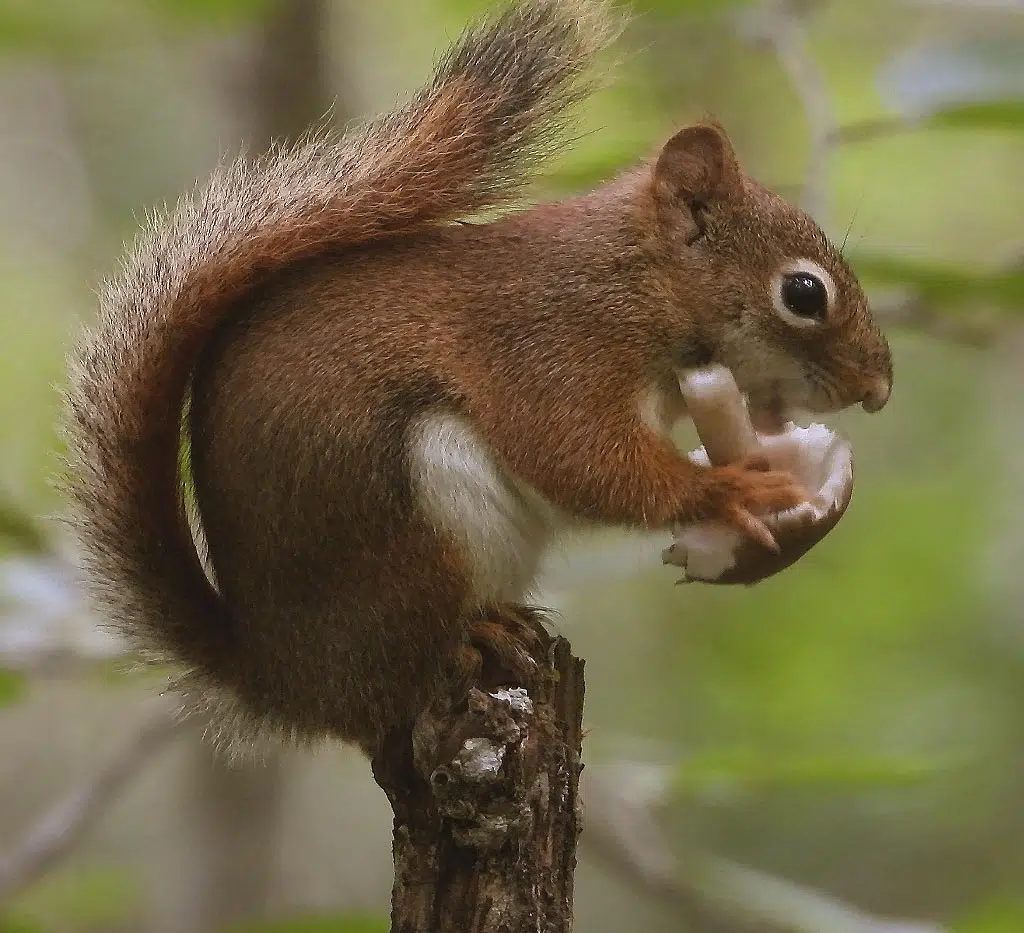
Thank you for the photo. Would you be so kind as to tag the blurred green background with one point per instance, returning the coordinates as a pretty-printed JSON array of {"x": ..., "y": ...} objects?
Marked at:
[{"x": 850, "y": 730}]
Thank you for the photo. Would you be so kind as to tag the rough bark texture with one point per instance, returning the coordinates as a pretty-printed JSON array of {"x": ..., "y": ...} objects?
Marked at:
[{"x": 487, "y": 811}]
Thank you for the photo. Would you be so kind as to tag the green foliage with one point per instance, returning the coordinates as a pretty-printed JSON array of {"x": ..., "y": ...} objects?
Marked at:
[
  {"x": 592, "y": 164},
  {"x": 35, "y": 299},
  {"x": 78, "y": 900},
  {"x": 350, "y": 924},
  {"x": 28, "y": 25},
  {"x": 12, "y": 687},
  {"x": 946, "y": 286},
  {"x": 13, "y": 924},
  {"x": 1004, "y": 916},
  {"x": 749, "y": 771},
  {"x": 219, "y": 11},
  {"x": 76, "y": 28},
  {"x": 70, "y": 28},
  {"x": 984, "y": 115},
  {"x": 19, "y": 529}
]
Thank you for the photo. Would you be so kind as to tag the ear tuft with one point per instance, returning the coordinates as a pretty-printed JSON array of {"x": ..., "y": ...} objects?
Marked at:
[{"x": 696, "y": 166}]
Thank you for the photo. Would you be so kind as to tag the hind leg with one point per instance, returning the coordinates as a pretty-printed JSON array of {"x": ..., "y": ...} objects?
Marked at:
[{"x": 504, "y": 640}]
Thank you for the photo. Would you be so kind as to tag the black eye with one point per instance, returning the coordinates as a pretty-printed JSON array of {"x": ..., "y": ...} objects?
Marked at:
[{"x": 805, "y": 295}]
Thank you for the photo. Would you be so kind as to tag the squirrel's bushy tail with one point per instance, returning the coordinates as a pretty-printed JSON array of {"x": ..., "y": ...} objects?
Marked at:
[{"x": 496, "y": 103}]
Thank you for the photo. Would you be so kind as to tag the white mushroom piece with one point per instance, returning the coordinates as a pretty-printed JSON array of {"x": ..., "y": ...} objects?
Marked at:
[{"x": 820, "y": 459}]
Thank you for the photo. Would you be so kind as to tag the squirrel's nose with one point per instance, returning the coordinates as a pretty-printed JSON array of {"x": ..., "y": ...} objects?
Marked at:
[{"x": 877, "y": 394}]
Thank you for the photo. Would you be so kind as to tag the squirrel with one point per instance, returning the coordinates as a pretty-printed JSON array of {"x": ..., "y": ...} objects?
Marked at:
[{"x": 329, "y": 417}]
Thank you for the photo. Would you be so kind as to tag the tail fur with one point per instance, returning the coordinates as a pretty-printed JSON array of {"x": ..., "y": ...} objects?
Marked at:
[{"x": 496, "y": 104}]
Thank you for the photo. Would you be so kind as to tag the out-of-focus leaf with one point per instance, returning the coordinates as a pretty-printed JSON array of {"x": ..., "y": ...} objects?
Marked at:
[
  {"x": 20, "y": 529},
  {"x": 978, "y": 76},
  {"x": 71, "y": 27},
  {"x": 985, "y": 115},
  {"x": 360, "y": 924},
  {"x": 749, "y": 770},
  {"x": 946, "y": 286},
  {"x": 12, "y": 688},
  {"x": 10, "y": 923},
  {"x": 1003, "y": 917},
  {"x": 81, "y": 899},
  {"x": 65, "y": 26},
  {"x": 585, "y": 170}
]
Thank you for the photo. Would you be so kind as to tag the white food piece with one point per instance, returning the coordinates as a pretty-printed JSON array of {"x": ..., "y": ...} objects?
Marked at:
[
  {"x": 821, "y": 460},
  {"x": 715, "y": 403}
]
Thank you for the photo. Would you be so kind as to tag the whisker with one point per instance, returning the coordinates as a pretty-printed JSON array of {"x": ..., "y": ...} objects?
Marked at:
[
  {"x": 853, "y": 220},
  {"x": 824, "y": 383},
  {"x": 866, "y": 231}
]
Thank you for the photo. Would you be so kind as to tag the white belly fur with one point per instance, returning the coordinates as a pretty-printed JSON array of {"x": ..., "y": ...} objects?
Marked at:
[{"x": 503, "y": 525}]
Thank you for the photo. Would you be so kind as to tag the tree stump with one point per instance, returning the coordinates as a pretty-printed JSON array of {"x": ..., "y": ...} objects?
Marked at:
[{"x": 486, "y": 801}]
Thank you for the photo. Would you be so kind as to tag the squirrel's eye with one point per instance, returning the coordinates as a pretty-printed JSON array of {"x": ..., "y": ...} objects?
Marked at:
[{"x": 805, "y": 295}]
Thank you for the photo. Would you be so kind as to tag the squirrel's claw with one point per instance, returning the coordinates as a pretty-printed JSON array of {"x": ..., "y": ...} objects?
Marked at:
[{"x": 754, "y": 528}]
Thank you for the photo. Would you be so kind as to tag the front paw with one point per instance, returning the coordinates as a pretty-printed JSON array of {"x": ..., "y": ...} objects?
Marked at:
[{"x": 742, "y": 491}]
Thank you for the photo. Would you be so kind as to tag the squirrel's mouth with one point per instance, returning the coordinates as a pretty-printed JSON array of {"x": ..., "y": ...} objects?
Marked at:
[
  {"x": 776, "y": 416},
  {"x": 769, "y": 414},
  {"x": 773, "y": 409}
]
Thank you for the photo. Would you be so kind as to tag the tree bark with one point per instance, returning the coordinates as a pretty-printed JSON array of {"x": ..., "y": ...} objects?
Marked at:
[{"x": 487, "y": 811}]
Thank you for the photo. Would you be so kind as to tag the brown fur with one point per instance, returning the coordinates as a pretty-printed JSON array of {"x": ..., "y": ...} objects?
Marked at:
[{"x": 318, "y": 309}]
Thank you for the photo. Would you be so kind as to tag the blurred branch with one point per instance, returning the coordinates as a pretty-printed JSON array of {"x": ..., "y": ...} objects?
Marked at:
[
  {"x": 868, "y": 130},
  {"x": 232, "y": 813},
  {"x": 906, "y": 309},
  {"x": 625, "y": 828},
  {"x": 56, "y": 832},
  {"x": 56, "y": 660},
  {"x": 289, "y": 84},
  {"x": 781, "y": 25}
]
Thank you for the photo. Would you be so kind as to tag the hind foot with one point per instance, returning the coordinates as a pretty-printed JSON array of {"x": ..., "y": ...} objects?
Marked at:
[{"x": 503, "y": 642}]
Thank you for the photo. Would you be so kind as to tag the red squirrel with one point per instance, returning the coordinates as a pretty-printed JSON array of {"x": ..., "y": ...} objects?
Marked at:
[{"x": 390, "y": 412}]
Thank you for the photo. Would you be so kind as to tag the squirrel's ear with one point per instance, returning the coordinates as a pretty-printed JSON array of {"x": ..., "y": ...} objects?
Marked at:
[{"x": 696, "y": 166}]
